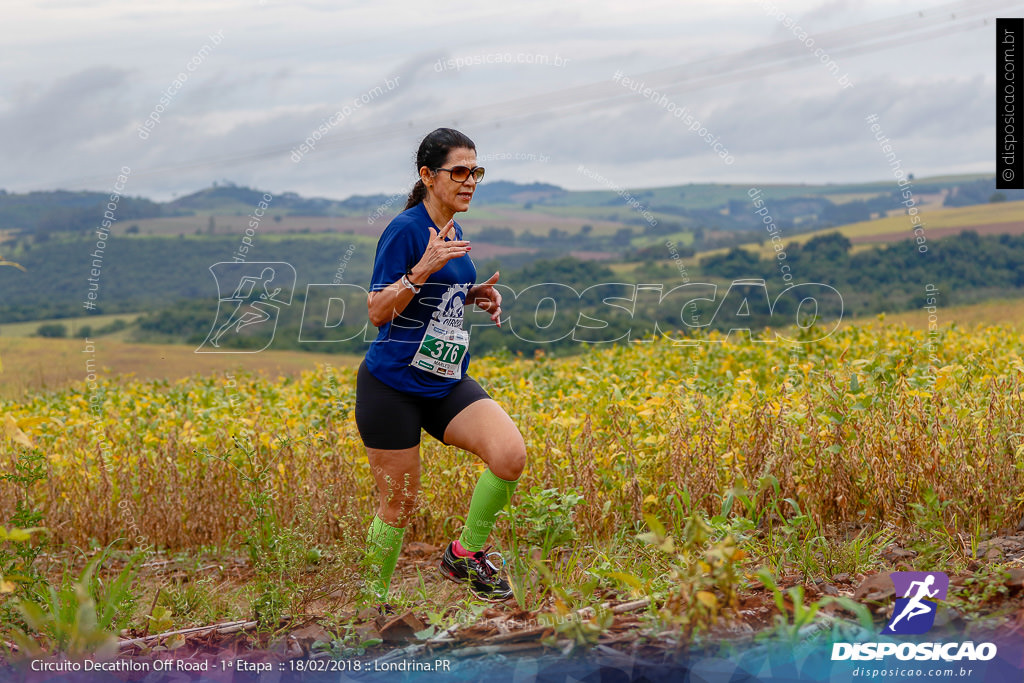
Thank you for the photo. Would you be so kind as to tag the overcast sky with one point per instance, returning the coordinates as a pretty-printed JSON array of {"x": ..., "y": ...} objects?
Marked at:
[{"x": 79, "y": 79}]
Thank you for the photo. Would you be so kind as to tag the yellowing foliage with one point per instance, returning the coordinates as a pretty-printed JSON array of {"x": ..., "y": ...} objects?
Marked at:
[{"x": 855, "y": 426}]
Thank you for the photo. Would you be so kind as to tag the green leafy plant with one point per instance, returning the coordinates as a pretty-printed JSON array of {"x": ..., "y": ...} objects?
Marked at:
[
  {"x": 796, "y": 629},
  {"x": 261, "y": 537},
  {"x": 544, "y": 517},
  {"x": 937, "y": 538},
  {"x": 18, "y": 559},
  {"x": 81, "y": 617},
  {"x": 277, "y": 553},
  {"x": 162, "y": 619},
  {"x": 193, "y": 603},
  {"x": 270, "y": 603},
  {"x": 858, "y": 555},
  {"x": 705, "y": 574},
  {"x": 9, "y": 579},
  {"x": 24, "y": 541},
  {"x": 582, "y": 633},
  {"x": 786, "y": 628},
  {"x": 345, "y": 642}
]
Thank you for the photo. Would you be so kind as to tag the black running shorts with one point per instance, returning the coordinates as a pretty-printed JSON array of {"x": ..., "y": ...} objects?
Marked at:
[{"x": 392, "y": 419}]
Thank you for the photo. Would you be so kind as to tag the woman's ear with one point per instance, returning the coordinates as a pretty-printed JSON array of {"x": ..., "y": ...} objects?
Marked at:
[{"x": 425, "y": 175}]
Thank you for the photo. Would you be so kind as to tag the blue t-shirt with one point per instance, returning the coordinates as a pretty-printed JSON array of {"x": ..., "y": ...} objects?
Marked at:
[{"x": 443, "y": 295}]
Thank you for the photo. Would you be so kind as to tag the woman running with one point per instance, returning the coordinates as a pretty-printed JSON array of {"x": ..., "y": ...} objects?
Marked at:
[{"x": 414, "y": 374}]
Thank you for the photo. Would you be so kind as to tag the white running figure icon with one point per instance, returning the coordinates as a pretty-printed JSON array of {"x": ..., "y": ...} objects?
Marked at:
[
  {"x": 914, "y": 605},
  {"x": 248, "y": 312}
]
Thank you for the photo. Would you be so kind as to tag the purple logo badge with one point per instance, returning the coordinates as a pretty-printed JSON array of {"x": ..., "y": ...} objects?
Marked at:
[{"x": 916, "y": 596}]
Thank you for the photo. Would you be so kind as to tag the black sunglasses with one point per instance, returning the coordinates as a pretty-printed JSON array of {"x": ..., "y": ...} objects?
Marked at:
[{"x": 460, "y": 174}]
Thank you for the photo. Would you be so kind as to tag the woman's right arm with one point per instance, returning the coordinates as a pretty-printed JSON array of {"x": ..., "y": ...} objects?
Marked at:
[{"x": 386, "y": 304}]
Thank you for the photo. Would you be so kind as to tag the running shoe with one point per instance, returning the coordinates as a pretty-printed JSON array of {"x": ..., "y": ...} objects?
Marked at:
[{"x": 478, "y": 572}]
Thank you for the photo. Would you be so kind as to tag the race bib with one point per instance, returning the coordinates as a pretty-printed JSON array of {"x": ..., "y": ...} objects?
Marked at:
[{"x": 442, "y": 350}]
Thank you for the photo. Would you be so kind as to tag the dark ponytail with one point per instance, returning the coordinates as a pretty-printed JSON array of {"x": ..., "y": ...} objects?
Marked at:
[
  {"x": 432, "y": 153},
  {"x": 419, "y": 192}
]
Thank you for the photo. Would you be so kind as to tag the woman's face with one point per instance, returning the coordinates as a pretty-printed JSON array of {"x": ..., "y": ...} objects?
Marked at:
[{"x": 448, "y": 193}]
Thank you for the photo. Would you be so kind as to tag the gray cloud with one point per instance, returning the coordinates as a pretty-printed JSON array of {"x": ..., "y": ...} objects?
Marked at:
[
  {"x": 280, "y": 73},
  {"x": 60, "y": 117}
]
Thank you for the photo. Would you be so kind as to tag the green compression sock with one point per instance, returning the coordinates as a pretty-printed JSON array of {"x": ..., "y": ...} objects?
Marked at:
[
  {"x": 383, "y": 543},
  {"x": 490, "y": 495}
]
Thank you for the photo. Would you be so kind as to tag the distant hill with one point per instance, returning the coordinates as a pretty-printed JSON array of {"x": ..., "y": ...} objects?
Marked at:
[
  {"x": 853, "y": 236},
  {"x": 509, "y": 218},
  {"x": 994, "y": 218},
  {"x": 229, "y": 198},
  {"x": 44, "y": 213},
  {"x": 506, "y": 192},
  {"x": 710, "y": 206}
]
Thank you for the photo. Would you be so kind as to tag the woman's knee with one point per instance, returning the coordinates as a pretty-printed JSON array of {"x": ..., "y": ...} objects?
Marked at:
[
  {"x": 398, "y": 506},
  {"x": 397, "y": 475},
  {"x": 400, "y": 498},
  {"x": 509, "y": 459}
]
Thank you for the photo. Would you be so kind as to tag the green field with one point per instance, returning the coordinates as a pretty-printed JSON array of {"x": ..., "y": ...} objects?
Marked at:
[
  {"x": 73, "y": 325},
  {"x": 995, "y": 218},
  {"x": 714, "y": 488}
]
